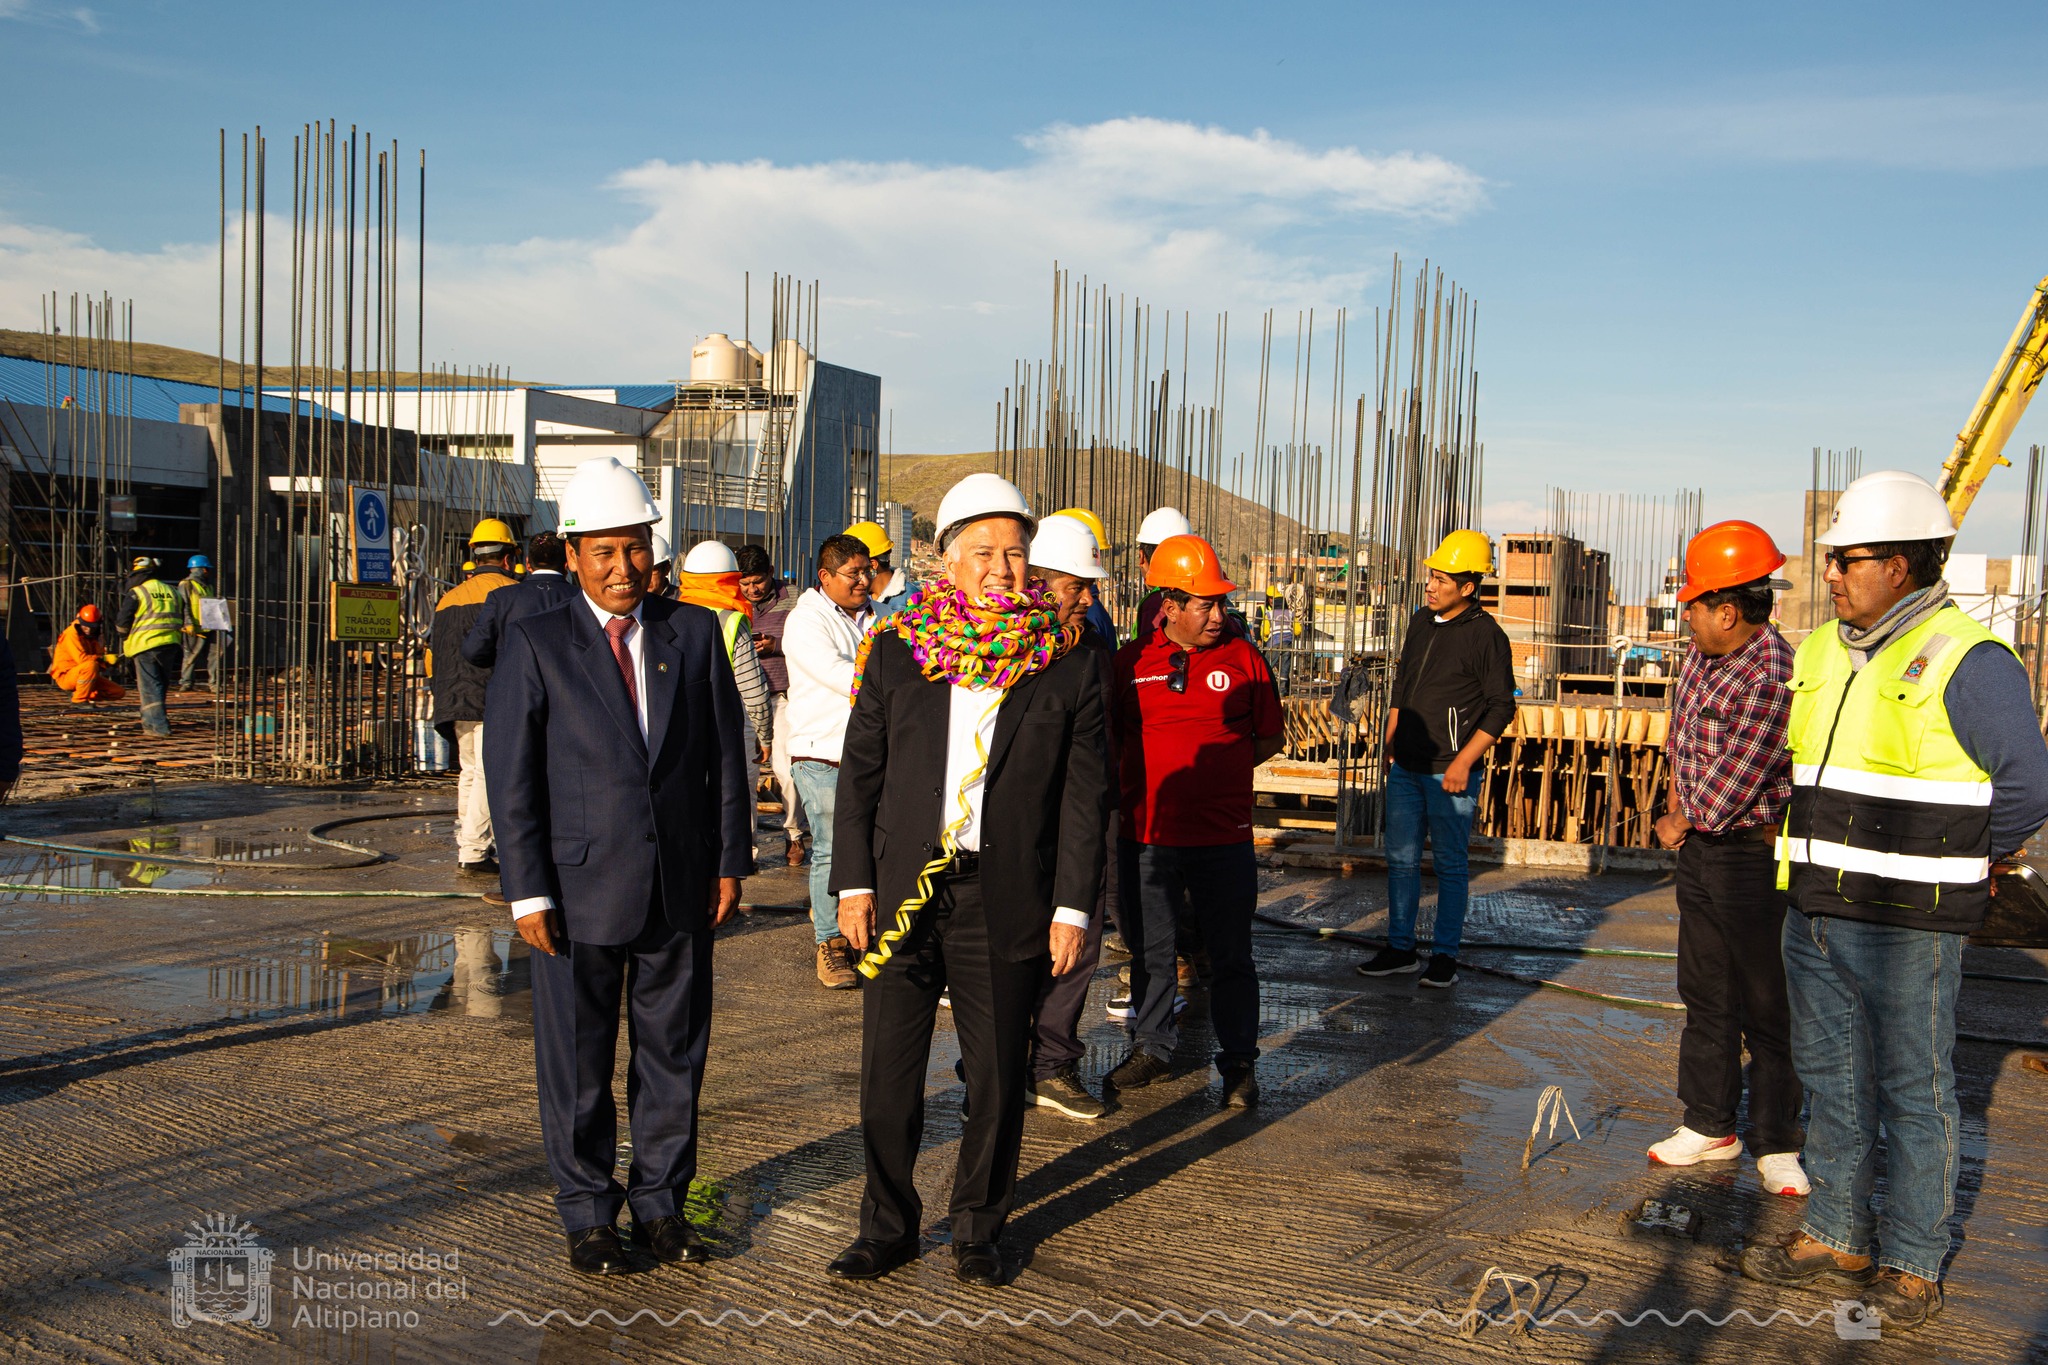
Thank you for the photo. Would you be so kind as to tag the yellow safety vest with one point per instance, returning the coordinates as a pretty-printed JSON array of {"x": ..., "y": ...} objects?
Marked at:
[
  {"x": 1888, "y": 809},
  {"x": 730, "y": 625},
  {"x": 157, "y": 618}
]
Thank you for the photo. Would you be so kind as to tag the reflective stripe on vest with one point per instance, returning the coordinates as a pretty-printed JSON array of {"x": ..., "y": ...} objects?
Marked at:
[
  {"x": 1884, "y": 797},
  {"x": 157, "y": 617}
]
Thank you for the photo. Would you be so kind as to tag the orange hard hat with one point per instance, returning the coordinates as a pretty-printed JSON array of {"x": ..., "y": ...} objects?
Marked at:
[
  {"x": 1187, "y": 563},
  {"x": 1728, "y": 554},
  {"x": 88, "y": 612}
]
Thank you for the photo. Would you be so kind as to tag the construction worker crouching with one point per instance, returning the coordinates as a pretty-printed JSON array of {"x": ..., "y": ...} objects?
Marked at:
[
  {"x": 79, "y": 662},
  {"x": 459, "y": 687},
  {"x": 1917, "y": 763},
  {"x": 1730, "y": 780},
  {"x": 149, "y": 623}
]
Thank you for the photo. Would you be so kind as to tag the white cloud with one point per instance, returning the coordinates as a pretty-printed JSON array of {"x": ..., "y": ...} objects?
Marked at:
[
  {"x": 934, "y": 276},
  {"x": 50, "y": 16}
]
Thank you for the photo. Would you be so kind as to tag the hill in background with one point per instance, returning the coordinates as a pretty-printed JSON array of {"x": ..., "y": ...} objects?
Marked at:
[
  {"x": 1245, "y": 527},
  {"x": 190, "y": 367}
]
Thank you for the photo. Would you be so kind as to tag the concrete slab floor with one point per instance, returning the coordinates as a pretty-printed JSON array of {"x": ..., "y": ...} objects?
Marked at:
[{"x": 354, "y": 1076}]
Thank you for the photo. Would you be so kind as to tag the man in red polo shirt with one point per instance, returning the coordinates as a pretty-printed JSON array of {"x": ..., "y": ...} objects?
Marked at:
[{"x": 1196, "y": 711}]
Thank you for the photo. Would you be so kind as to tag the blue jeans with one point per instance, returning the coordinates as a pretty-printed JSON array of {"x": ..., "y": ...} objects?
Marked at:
[
  {"x": 1413, "y": 801},
  {"x": 1216, "y": 888},
  {"x": 817, "y": 786},
  {"x": 1873, "y": 1030}
]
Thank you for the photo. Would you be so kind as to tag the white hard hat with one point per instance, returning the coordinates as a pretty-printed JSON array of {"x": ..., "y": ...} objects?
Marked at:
[
  {"x": 603, "y": 494},
  {"x": 1161, "y": 524},
  {"x": 1890, "y": 505},
  {"x": 658, "y": 542},
  {"x": 711, "y": 556},
  {"x": 978, "y": 496},
  {"x": 1066, "y": 545}
]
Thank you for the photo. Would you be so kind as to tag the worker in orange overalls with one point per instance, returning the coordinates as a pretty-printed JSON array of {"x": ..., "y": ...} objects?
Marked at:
[{"x": 80, "y": 664}]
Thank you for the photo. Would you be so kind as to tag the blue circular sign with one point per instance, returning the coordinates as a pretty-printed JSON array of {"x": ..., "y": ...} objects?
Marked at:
[{"x": 370, "y": 516}]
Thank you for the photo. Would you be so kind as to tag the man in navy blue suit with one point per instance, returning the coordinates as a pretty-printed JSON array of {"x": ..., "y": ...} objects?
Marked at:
[{"x": 619, "y": 793}]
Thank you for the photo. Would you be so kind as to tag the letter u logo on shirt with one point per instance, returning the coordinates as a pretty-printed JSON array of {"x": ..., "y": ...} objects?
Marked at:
[{"x": 1219, "y": 681}]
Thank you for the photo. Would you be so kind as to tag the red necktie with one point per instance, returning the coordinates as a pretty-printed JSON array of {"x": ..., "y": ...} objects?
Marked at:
[{"x": 616, "y": 628}]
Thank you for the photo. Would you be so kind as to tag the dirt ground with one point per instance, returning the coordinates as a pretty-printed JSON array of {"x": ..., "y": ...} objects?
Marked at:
[{"x": 351, "y": 1077}]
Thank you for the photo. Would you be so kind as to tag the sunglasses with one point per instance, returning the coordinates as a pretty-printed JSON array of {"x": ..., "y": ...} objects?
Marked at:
[
  {"x": 1177, "y": 681},
  {"x": 1842, "y": 561}
]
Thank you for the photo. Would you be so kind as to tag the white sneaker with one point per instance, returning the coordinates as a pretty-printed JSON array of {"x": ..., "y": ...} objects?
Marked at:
[
  {"x": 1687, "y": 1148},
  {"x": 1781, "y": 1173}
]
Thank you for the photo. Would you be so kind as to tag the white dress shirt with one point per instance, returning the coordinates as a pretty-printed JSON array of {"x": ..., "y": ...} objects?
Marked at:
[
  {"x": 636, "y": 651},
  {"x": 970, "y": 735}
]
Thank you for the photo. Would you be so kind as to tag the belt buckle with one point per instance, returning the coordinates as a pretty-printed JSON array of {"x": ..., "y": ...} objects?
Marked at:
[{"x": 965, "y": 863}]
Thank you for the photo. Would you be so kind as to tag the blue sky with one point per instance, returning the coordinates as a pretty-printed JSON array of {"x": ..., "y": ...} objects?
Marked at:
[{"x": 1703, "y": 239}]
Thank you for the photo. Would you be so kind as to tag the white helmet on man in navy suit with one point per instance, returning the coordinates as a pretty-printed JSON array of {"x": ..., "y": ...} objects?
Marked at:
[{"x": 603, "y": 495}]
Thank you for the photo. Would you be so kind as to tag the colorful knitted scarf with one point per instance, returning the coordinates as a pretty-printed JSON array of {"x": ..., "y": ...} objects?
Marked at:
[{"x": 995, "y": 641}]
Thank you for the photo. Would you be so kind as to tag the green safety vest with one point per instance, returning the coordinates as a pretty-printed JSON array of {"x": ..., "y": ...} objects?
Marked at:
[
  {"x": 1887, "y": 809},
  {"x": 157, "y": 617},
  {"x": 193, "y": 591},
  {"x": 730, "y": 624}
]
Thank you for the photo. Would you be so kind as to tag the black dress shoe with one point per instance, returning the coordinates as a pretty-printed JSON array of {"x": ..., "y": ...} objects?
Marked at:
[
  {"x": 482, "y": 867},
  {"x": 671, "y": 1239},
  {"x": 978, "y": 1263},
  {"x": 868, "y": 1259},
  {"x": 596, "y": 1251}
]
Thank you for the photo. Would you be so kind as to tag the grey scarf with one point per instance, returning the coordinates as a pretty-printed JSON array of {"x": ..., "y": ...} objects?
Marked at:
[{"x": 1906, "y": 613}]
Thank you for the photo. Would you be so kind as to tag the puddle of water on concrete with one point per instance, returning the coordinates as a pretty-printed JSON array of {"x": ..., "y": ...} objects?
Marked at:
[
  {"x": 281, "y": 845},
  {"x": 72, "y": 870},
  {"x": 482, "y": 973}
]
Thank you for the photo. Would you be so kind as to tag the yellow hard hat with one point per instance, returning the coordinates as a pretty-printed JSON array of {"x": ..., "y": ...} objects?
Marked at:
[
  {"x": 1463, "y": 552},
  {"x": 1090, "y": 520},
  {"x": 871, "y": 535},
  {"x": 491, "y": 531},
  {"x": 469, "y": 566}
]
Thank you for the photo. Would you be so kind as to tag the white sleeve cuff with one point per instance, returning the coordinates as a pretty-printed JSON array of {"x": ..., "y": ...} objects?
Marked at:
[
  {"x": 531, "y": 905},
  {"x": 1063, "y": 915},
  {"x": 857, "y": 891}
]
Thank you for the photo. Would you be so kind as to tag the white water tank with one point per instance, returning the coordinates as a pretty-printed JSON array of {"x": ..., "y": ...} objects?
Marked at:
[
  {"x": 716, "y": 360},
  {"x": 786, "y": 370},
  {"x": 755, "y": 366}
]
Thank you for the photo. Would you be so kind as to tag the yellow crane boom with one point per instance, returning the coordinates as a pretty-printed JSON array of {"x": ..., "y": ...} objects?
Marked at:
[{"x": 1980, "y": 448}]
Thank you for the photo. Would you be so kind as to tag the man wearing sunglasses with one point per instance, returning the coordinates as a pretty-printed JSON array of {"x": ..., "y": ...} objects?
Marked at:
[
  {"x": 819, "y": 644},
  {"x": 1196, "y": 711},
  {"x": 1917, "y": 764}
]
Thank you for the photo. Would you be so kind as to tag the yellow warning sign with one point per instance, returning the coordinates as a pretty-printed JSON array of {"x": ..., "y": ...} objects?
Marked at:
[{"x": 360, "y": 611}]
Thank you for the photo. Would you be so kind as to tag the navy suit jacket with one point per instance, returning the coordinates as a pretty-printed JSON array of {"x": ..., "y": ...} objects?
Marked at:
[
  {"x": 535, "y": 593},
  {"x": 584, "y": 810}
]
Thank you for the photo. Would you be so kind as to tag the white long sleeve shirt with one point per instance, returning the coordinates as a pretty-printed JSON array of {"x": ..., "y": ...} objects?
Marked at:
[
  {"x": 819, "y": 642},
  {"x": 971, "y": 734}
]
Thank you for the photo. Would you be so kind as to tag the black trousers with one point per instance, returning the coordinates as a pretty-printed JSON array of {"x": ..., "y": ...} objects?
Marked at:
[
  {"x": 665, "y": 979},
  {"x": 992, "y": 1000},
  {"x": 1731, "y": 977}
]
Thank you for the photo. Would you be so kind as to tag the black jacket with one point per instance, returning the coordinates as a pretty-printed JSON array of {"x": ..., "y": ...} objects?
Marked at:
[
  {"x": 1045, "y": 809},
  {"x": 1454, "y": 677},
  {"x": 457, "y": 684},
  {"x": 541, "y": 590}
]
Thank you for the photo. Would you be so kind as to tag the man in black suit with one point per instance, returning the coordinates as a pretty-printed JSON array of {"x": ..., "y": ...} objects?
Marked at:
[
  {"x": 619, "y": 791},
  {"x": 547, "y": 585},
  {"x": 983, "y": 771}
]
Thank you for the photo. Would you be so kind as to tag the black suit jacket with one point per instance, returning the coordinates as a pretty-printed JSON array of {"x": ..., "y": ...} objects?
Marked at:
[
  {"x": 1044, "y": 808},
  {"x": 586, "y": 811},
  {"x": 534, "y": 593}
]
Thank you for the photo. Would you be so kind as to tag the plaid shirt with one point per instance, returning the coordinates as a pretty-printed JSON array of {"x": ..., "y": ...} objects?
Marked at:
[{"x": 1730, "y": 761}]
